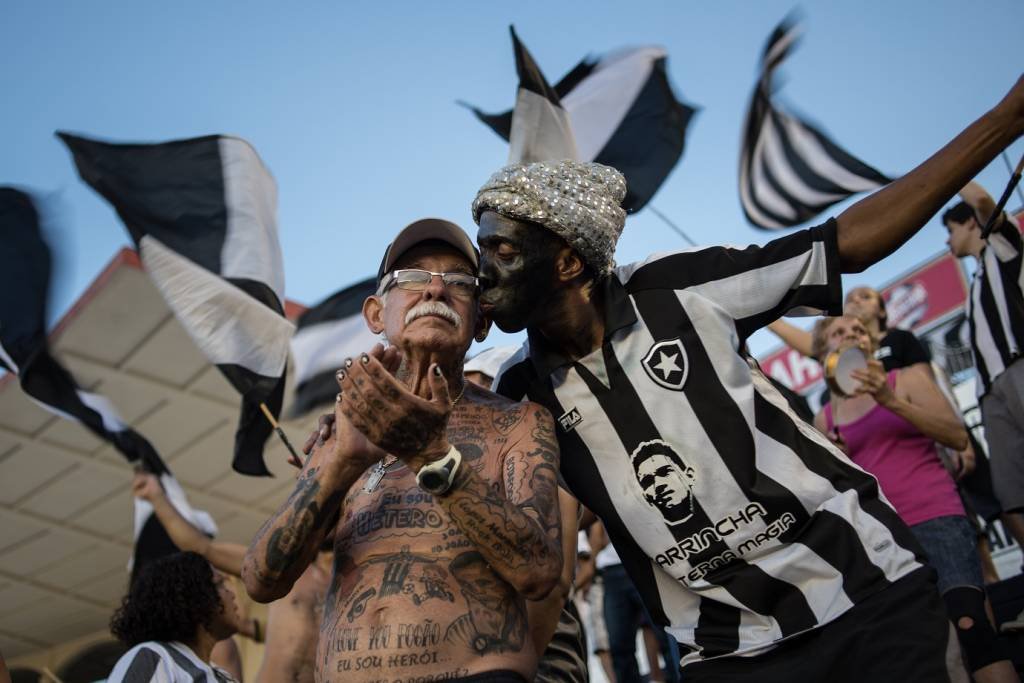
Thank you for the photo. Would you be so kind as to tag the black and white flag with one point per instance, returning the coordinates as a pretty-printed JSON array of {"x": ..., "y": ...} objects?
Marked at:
[
  {"x": 327, "y": 334},
  {"x": 25, "y": 269},
  {"x": 622, "y": 113},
  {"x": 789, "y": 170},
  {"x": 202, "y": 213}
]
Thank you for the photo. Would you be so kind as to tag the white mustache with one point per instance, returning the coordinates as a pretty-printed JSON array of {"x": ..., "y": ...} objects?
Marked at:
[{"x": 438, "y": 308}]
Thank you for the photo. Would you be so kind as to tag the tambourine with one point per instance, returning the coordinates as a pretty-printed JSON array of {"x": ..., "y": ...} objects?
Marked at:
[{"x": 838, "y": 366}]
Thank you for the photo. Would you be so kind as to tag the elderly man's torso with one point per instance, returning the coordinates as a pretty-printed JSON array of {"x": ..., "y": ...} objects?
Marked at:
[{"x": 411, "y": 596}]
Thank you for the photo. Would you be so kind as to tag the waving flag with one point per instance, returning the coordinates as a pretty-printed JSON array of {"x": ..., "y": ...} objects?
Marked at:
[
  {"x": 327, "y": 334},
  {"x": 789, "y": 170},
  {"x": 25, "y": 264},
  {"x": 202, "y": 213},
  {"x": 622, "y": 113}
]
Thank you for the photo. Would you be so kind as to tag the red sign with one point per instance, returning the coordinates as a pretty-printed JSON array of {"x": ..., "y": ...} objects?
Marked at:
[
  {"x": 925, "y": 295},
  {"x": 792, "y": 368}
]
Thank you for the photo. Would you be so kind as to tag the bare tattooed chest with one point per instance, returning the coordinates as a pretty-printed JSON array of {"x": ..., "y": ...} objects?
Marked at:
[{"x": 411, "y": 598}]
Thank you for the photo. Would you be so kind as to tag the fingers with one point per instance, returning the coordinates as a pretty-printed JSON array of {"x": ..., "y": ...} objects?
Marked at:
[{"x": 438, "y": 386}]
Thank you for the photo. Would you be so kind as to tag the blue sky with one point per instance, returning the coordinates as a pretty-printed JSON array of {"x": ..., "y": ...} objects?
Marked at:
[{"x": 352, "y": 105}]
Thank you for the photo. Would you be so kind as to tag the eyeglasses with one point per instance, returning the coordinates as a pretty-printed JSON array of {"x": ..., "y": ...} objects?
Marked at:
[{"x": 461, "y": 285}]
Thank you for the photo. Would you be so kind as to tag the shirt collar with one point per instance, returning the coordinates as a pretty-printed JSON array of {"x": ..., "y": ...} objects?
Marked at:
[{"x": 618, "y": 313}]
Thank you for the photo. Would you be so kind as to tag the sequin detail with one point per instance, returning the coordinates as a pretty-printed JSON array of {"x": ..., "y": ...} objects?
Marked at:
[{"x": 579, "y": 201}]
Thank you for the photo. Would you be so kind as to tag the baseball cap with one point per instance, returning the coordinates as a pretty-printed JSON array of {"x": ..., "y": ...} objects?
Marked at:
[{"x": 421, "y": 231}]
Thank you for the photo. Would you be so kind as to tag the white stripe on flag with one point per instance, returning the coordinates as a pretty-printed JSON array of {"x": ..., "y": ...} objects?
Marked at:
[
  {"x": 540, "y": 131},
  {"x": 229, "y": 326},
  {"x": 599, "y": 103},
  {"x": 778, "y": 164},
  {"x": 806, "y": 145},
  {"x": 325, "y": 346},
  {"x": 112, "y": 421},
  {"x": 251, "y": 249}
]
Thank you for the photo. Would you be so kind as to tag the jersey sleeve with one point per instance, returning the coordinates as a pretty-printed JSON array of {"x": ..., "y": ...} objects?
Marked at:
[{"x": 793, "y": 275}]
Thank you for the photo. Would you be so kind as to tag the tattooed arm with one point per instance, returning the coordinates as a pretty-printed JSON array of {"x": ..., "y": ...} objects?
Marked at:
[
  {"x": 518, "y": 530},
  {"x": 543, "y": 614},
  {"x": 287, "y": 543}
]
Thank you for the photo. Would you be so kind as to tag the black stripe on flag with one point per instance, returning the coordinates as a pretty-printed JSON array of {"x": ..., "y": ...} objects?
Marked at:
[
  {"x": 202, "y": 213},
  {"x": 326, "y": 334},
  {"x": 789, "y": 170},
  {"x": 725, "y": 426}
]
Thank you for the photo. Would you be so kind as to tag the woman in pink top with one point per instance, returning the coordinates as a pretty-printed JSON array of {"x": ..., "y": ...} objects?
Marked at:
[{"x": 889, "y": 428}]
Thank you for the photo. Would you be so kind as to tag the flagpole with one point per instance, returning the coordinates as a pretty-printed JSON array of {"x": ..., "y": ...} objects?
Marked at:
[
  {"x": 1014, "y": 179},
  {"x": 280, "y": 432},
  {"x": 1009, "y": 169},
  {"x": 669, "y": 223}
]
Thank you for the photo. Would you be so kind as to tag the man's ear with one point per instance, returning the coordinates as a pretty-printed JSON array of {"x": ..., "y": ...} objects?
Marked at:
[
  {"x": 483, "y": 326},
  {"x": 373, "y": 313},
  {"x": 569, "y": 264}
]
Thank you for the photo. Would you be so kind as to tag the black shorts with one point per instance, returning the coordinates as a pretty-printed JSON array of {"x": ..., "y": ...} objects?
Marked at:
[{"x": 895, "y": 636}]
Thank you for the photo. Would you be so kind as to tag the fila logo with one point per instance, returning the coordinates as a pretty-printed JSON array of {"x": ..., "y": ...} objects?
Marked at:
[{"x": 570, "y": 420}]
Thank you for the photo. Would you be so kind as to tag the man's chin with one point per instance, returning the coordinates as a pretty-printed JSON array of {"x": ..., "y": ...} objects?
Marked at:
[{"x": 508, "y": 326}]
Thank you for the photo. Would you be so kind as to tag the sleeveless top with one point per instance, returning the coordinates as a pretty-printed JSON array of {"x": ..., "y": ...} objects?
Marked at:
[{"x": 904, "y": 461}]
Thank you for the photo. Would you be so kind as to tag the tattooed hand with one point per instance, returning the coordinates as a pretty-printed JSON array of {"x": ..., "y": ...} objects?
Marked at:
[{"x": 389, "y": 414}]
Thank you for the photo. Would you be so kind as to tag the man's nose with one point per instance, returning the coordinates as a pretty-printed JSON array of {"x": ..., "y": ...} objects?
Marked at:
[{"x": 436, "y": 289}]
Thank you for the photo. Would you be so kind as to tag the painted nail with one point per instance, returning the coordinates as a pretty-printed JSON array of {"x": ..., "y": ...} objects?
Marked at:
[
  {"x": 341, "y": 375},
  {"x": 364, "y": 359},
  {"x": 437, "y": 370},
  {"x": 337, "y": 398},
  {"x": 348, "y": 362}
]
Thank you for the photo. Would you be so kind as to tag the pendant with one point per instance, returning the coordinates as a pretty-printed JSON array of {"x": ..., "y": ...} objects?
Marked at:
[{"x": 375, "y": 476}]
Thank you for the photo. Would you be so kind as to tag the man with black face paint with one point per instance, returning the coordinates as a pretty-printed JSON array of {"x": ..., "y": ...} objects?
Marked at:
[{"x": 787, "y": 540}]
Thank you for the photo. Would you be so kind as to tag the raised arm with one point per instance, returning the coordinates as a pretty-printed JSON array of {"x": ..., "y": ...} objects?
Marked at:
[
  {"x": 226, "y": 557},
  {"x": 287, "y": 543},
  {"x": 518, "y": 531},
  {"x": 879, "y": 224},
  {"x": 792, "y": 336},
  {"x": 916, "y": 399}
]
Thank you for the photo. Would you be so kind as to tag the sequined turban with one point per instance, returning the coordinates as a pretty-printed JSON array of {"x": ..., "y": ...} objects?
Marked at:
[{"x": 579, "y": 201}]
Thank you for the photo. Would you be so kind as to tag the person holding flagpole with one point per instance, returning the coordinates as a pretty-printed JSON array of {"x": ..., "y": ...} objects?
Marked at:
[{"x": 762, "y": 549}]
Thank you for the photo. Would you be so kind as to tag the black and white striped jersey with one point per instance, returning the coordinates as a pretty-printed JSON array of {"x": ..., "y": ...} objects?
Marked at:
[
  {"x": 996, "y": 305},
  {"x": 170, "y": 662},
  {"x": 739, "y": 523}
]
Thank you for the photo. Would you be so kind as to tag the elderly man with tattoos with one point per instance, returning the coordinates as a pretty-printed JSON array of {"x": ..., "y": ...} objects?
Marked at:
[{"x": 445, "y": 520}]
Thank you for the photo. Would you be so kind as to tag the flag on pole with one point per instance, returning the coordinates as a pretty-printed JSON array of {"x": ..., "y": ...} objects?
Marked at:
[
  {"x": 790, "y": 171},
  {"x": 326, "y": 335},
  {"x": 540, "y": 125},
  {"x": 622, "y": 113},
  {"x": 25, "y": 271},
  {"x": 202, "y": 214}
]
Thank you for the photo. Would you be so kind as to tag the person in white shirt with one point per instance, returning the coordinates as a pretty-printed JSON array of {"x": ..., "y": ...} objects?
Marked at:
[{"x": 176, "y": 610}]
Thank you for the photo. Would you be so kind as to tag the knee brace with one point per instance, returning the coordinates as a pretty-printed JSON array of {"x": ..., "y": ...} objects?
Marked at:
[{"x": 978, "y": 640}]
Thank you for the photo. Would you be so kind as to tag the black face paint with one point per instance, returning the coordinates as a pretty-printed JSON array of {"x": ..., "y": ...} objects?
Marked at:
[{"x": 517, "y": 268}]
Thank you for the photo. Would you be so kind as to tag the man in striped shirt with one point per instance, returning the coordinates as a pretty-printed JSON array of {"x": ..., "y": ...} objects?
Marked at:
[
  {"x": 740, "y": 526},
  {"x": 995, "y": 311}
]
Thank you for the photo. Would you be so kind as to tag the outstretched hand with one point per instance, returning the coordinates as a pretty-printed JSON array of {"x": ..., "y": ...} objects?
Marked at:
[{"x": 391, "y": 416}]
